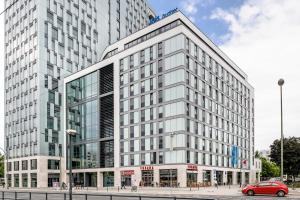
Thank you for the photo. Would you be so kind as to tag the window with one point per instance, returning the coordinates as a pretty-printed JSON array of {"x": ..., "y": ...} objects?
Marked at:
[
  {"x": 16, "y": 165},
  {"x": 160, "y": 142},
  {"x": 54, "y": 34},
  {"x": 142, "y": 57},
  {"x": 24, "y": 164},
  {"x": 53, "y": 164},
  {"x": 160, "y": 49},
  {"x": 33, "y": 164}
]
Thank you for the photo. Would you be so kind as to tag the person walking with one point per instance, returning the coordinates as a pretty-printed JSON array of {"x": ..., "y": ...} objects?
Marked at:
[
  {"x": 123, "y": 185},
  {"x": 216, "y": 183}
]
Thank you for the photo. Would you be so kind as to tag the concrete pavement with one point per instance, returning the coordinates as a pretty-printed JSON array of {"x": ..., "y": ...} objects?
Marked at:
[{"x": 222, "y": 192}]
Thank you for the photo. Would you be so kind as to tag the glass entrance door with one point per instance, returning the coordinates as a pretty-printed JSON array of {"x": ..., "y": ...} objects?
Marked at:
[{"x": 147, "y": 178}]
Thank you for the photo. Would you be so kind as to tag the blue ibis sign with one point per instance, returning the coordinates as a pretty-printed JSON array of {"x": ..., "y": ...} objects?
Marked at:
[
  {"x": 234, "y": 155},
  {"x": 157, "y": 18}
]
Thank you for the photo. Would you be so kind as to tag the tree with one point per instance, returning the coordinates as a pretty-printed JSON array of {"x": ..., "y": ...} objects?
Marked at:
[
  {"x": 291, "y": 155},
  {"x": 269, "y": 168},
  {"x": 1, "y": 165}
]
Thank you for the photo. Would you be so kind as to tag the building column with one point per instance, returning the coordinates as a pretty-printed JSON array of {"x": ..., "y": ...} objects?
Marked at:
[
  {"x": 29, "y": 180},
  {"x": 234, "y": 178},
  {"x": 212, "y": 177},
  {"x": 243, "y": 176},
  {"x": 137, "y": 178},
  {"x": 225, "y": 177},
  {"x": 42, "y": 172},
  {"x": 99, "y": 180},
  {"x": 181, "y": 176},
  {"x": 156, "y": 177},
  {"x": 20, "y": 180},
  {"x": 117, "y": 178},
  {"x": 200, "y": 176}
]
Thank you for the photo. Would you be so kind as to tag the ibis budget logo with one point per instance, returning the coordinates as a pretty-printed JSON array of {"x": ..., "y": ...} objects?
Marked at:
[{"x": 157, "y": 18}]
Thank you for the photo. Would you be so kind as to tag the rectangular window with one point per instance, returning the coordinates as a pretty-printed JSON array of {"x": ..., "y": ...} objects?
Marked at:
[{"x": 33, "y": 164}]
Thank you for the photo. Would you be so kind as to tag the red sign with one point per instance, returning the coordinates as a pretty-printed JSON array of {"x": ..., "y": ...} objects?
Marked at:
[
  {"x": 192, "y": 167},
  {"x": 145, "y": 168},
  {"x": 127, "y": 172}
]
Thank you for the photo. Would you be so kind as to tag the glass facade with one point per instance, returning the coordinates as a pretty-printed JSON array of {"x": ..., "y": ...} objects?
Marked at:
[
  {"x": 45, "y": 42},
  {"x": 90, "y": 112}
]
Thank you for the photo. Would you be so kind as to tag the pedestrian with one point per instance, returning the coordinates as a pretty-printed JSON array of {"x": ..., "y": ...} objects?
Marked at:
[
  {"x": 123, "y": 185},
  {"x": 216, "y": 183}
]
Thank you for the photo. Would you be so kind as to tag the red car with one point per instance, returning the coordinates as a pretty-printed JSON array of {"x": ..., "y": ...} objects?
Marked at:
[{"x": 270, "y": 188}]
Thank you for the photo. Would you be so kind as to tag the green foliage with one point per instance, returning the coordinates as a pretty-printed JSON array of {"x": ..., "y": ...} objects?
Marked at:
[
  {"x": 1, "y": 165},
  {"x": 291, "y": 155},
  {"x": 269, "y": 168}
]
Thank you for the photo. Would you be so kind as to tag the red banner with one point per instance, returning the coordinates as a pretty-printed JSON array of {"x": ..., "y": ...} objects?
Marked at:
[
  {"x": 192, "y": 167},
  {"x": 145, "y": 168},
  {"x": 127, "y": 172}
]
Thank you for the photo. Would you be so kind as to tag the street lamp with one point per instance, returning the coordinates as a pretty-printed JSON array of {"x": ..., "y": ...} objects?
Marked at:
[
  {"x": 280, "y": 83},
  {"x": 71, "y": 133}
]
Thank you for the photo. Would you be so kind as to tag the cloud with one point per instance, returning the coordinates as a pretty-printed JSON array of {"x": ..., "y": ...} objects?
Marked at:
[
  {"x": 191, "y": 7},
  {"x": 263, "y": 39}
]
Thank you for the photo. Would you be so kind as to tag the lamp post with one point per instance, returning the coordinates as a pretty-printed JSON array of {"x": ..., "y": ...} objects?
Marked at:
[
  {"x": 71, "y": 133},
  {"x": 280, "y": 83}
]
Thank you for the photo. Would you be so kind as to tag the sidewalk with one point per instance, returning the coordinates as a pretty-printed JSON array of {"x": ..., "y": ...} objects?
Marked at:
[{"x": 162, "y": 191}]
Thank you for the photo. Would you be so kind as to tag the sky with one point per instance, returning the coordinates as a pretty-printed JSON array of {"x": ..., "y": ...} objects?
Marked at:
[{"x": 261, "y": 36}]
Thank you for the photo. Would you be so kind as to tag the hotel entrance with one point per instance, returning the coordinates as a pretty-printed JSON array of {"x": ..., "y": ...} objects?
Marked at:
[
  {"x": 219, "y": 177},
  {"x": 126, "y": 179},
  {"x": 147, "y": 178},
  {"x": 206, "y": 178},
  {"x": 191, "y": 175}
]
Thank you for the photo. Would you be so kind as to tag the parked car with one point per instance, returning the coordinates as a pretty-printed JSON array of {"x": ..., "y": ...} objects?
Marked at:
[{"x": 269, "y": 188}]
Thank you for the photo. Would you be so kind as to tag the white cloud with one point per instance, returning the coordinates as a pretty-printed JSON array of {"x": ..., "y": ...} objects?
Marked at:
[
  {"x": 191, "y": 7},
  {"x": 264, "y": 40}
]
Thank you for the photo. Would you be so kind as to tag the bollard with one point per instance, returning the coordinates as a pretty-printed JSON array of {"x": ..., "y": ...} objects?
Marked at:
[
  {"x": 29, "y": 195},
  {"x": 86, "y": 197},
  {"x": 65, "y": 196},
  {"x": 46, "y": 196},
  {"x": 16, "y": 195},
  {"x": 118, "y": 189}
]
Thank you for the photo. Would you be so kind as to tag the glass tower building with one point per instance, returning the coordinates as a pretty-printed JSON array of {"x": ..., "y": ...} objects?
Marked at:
[
  {"x": 164, "y": 107},
  {"x": 45, "y": 41}
]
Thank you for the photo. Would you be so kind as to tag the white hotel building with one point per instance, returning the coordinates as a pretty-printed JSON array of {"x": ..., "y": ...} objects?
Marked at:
[{"x": 164, "y": 107}]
